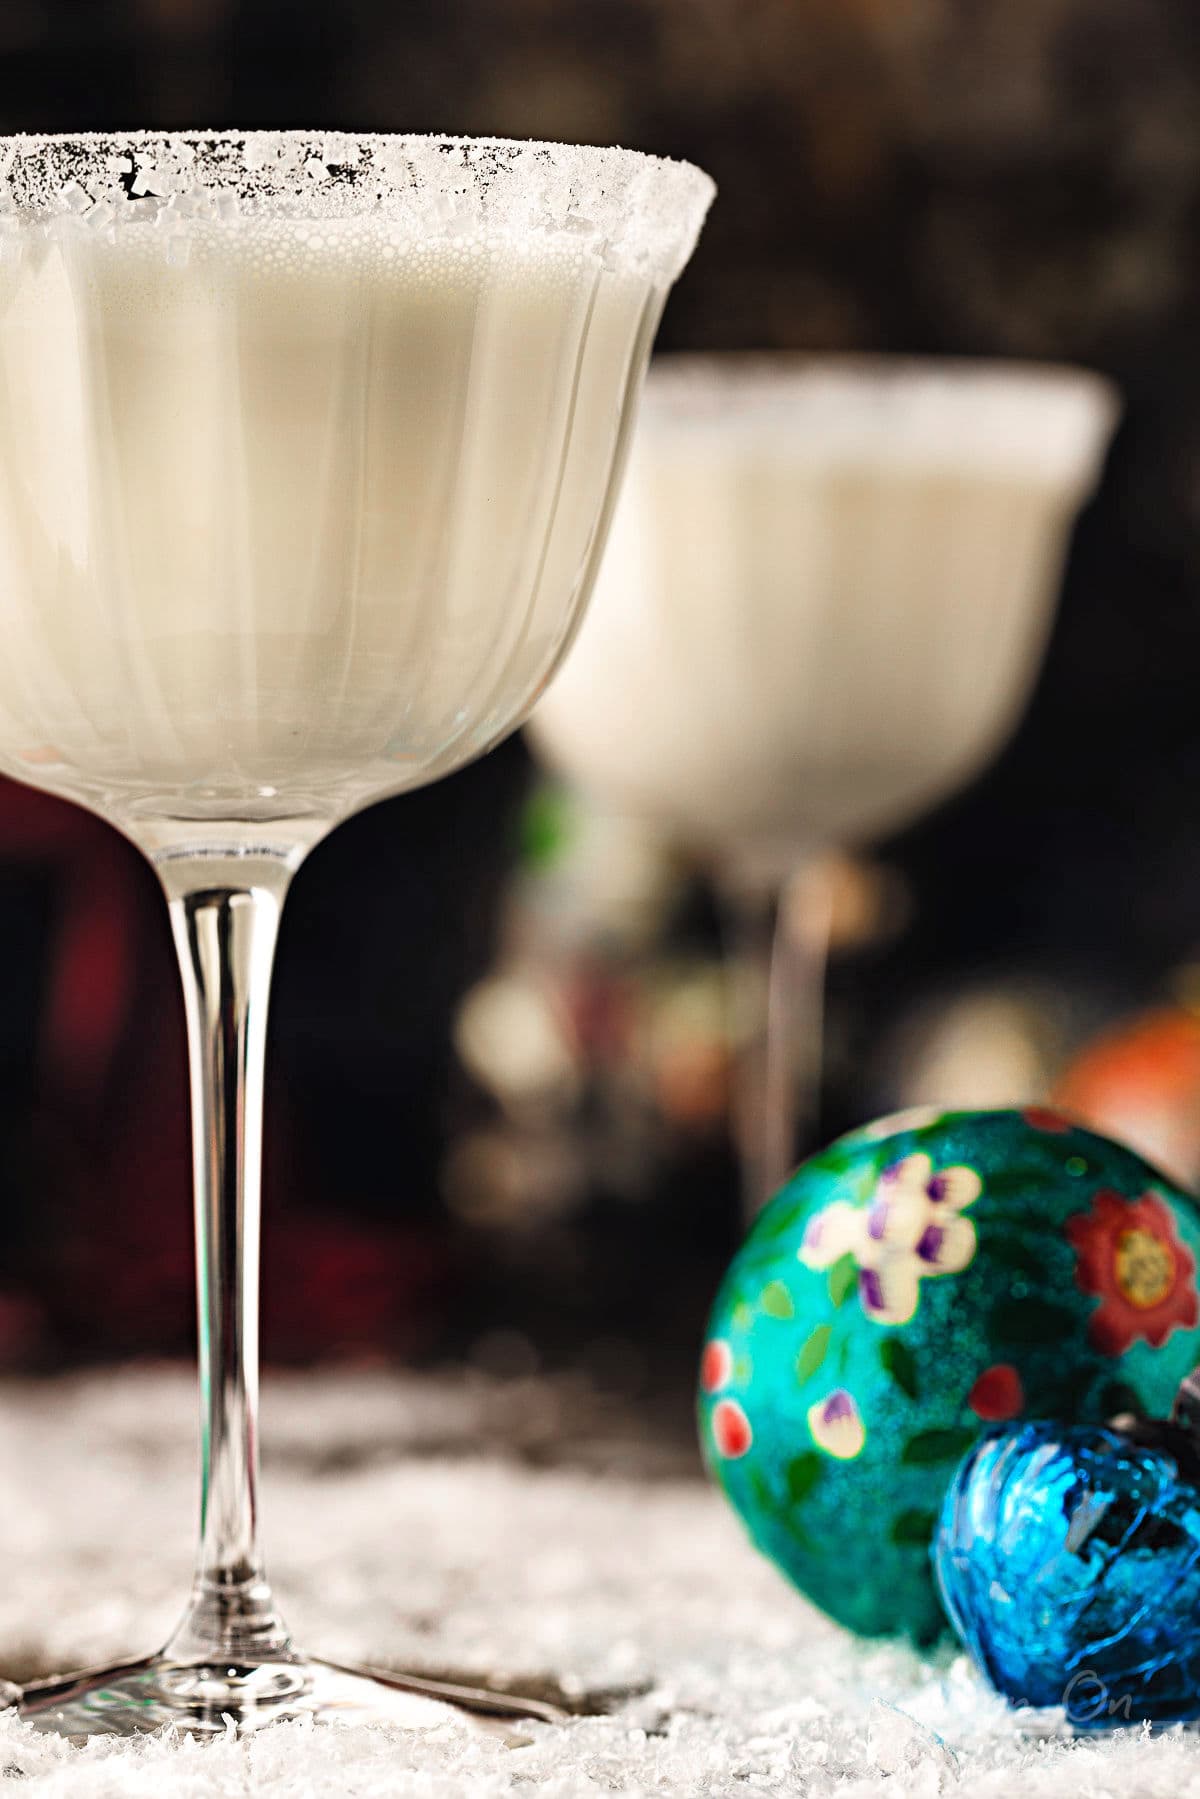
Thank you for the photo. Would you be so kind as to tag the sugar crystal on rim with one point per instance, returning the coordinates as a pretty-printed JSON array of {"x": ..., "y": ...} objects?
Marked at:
[{"x": 640, "y": 214}]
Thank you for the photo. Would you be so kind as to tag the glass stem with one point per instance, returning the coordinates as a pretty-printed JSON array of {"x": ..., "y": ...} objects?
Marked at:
[
  {"x": 778, "y": 940},
  {"x": 225, "y": 937}
]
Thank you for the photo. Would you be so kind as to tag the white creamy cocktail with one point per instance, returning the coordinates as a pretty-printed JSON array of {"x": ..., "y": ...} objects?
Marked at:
[
  {"x": 825, "y": 592},
  {"x": 308, "y": 445},
  {"x": 296, "y": 510},
  {"x": 823, "y": 602}
]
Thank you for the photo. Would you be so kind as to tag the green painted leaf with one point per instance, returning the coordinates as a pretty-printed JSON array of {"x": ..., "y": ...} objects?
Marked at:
[
  {"x": 913, "y": 1529},
  {"x": 814, "y": 1352},
  {"x": 899, "y": 1362},
  {"x": 938, "y": 1445},
  {"x": 779, "y": 1221},
  {"x": 843, "y": 1279},
  {"x": 1020, "y": 1257},
  {"x": 760, "y": 1486},
  {"x": 803, "y": 1473},
  {"x": 1009, "y": 1183},
  {"x": 776, "y": 1301},
  {"x": 1032, "y": 1321},
  {"x": 1072, "y": 1386},
  {"x": 1118, "y": 1397}
]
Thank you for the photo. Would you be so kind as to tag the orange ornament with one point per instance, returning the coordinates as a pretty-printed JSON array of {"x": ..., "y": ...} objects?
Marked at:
[{"x": 1141, "y": 1084}]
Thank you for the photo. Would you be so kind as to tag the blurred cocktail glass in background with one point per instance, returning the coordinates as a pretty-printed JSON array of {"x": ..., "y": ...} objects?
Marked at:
[{"x": 823, "y": 604}]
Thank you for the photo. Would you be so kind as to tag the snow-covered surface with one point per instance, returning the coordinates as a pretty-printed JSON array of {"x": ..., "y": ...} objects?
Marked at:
[{"x": 429, "y": 1524}]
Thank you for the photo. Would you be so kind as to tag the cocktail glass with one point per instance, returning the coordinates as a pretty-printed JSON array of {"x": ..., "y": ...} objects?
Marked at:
[
  {"x": 823, "y": 602},
  {"x": 309, "y": 447}
]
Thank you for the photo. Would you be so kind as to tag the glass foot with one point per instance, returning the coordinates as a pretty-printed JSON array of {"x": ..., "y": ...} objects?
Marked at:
[{"x": 135, "y": 1698}]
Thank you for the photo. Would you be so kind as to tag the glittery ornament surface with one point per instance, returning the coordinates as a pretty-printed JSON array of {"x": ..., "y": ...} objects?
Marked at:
[
  {"x": 1069, "y": 1560},
  {"x": 919, "y": 1280}
]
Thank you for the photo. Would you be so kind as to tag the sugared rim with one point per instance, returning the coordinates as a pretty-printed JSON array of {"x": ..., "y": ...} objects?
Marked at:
[
  {"x": 1053, "y": 419},
  {"x": 642, "y": 211},
  {"x": 752, "y": 377}
]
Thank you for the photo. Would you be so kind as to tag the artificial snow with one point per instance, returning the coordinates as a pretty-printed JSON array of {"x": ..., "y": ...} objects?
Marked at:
[{"x": 459, "y": 1526}]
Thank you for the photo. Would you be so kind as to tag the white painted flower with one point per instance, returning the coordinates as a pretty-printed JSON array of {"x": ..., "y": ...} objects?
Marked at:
[
  {"x": 913, "y": 1118},
  {"x": 836, "y": 1425},
  {"x": 911, "y": 1229}
]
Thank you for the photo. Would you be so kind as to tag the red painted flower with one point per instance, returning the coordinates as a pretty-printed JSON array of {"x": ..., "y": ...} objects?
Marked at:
[
  {"x": 716, "y": 1365},
  {"x": 1127, "y": 1252},
  {"x": 731, "y": 1429},
  {"x": 997, "y": 1394},
  {"x": 1041, "y": 1118}
]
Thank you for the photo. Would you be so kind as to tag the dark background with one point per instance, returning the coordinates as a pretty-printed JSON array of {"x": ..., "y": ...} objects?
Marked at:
[{"x": 903, "y": 175}]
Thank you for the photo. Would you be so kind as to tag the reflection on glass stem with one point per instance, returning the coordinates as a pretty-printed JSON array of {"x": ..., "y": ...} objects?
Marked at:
[{"x": 777, "y": 937}]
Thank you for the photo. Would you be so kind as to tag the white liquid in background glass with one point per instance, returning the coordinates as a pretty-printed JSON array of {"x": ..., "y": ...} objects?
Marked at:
[
  {"x": 825, "y": 593},
  {"x": 291, "y": 514}
]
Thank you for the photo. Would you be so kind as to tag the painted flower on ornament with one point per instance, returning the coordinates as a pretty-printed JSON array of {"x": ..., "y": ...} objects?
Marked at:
[
  {"x": 731, "y": 1430},
  {"x": 716, "y": 1365},
  {"x": 1128, "y": 1253},
  {"x": 998, "y": 1394},
  {"x": 911, "y": 1229},
  {"x": 1043, "y": 1118},
  {"x": 912, "y": 1118},
  {"x": 836, "y": 1425}
]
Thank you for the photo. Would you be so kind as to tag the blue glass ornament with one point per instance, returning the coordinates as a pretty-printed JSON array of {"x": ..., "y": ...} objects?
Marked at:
[{"x": 1069, "y": 1562}]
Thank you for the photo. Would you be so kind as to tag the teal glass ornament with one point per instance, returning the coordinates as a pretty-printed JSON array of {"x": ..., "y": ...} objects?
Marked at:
[
  {"x": 923, "y": 1278},
  {"x": 1068, "y": 1557}
]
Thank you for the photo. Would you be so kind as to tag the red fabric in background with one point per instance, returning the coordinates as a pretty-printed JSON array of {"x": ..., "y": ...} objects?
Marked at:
[
  {"x": 110, "y": 1140},
  {"x": 110, "y": 1146}
]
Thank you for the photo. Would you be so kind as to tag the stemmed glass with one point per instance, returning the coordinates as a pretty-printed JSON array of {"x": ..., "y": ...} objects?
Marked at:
[
  {"x": 309, "y": 447},
  {"x": 822, "y": 605}
]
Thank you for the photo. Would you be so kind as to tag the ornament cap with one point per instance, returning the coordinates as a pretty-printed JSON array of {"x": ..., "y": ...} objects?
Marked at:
[{"x": 1178, "y": 1435}]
